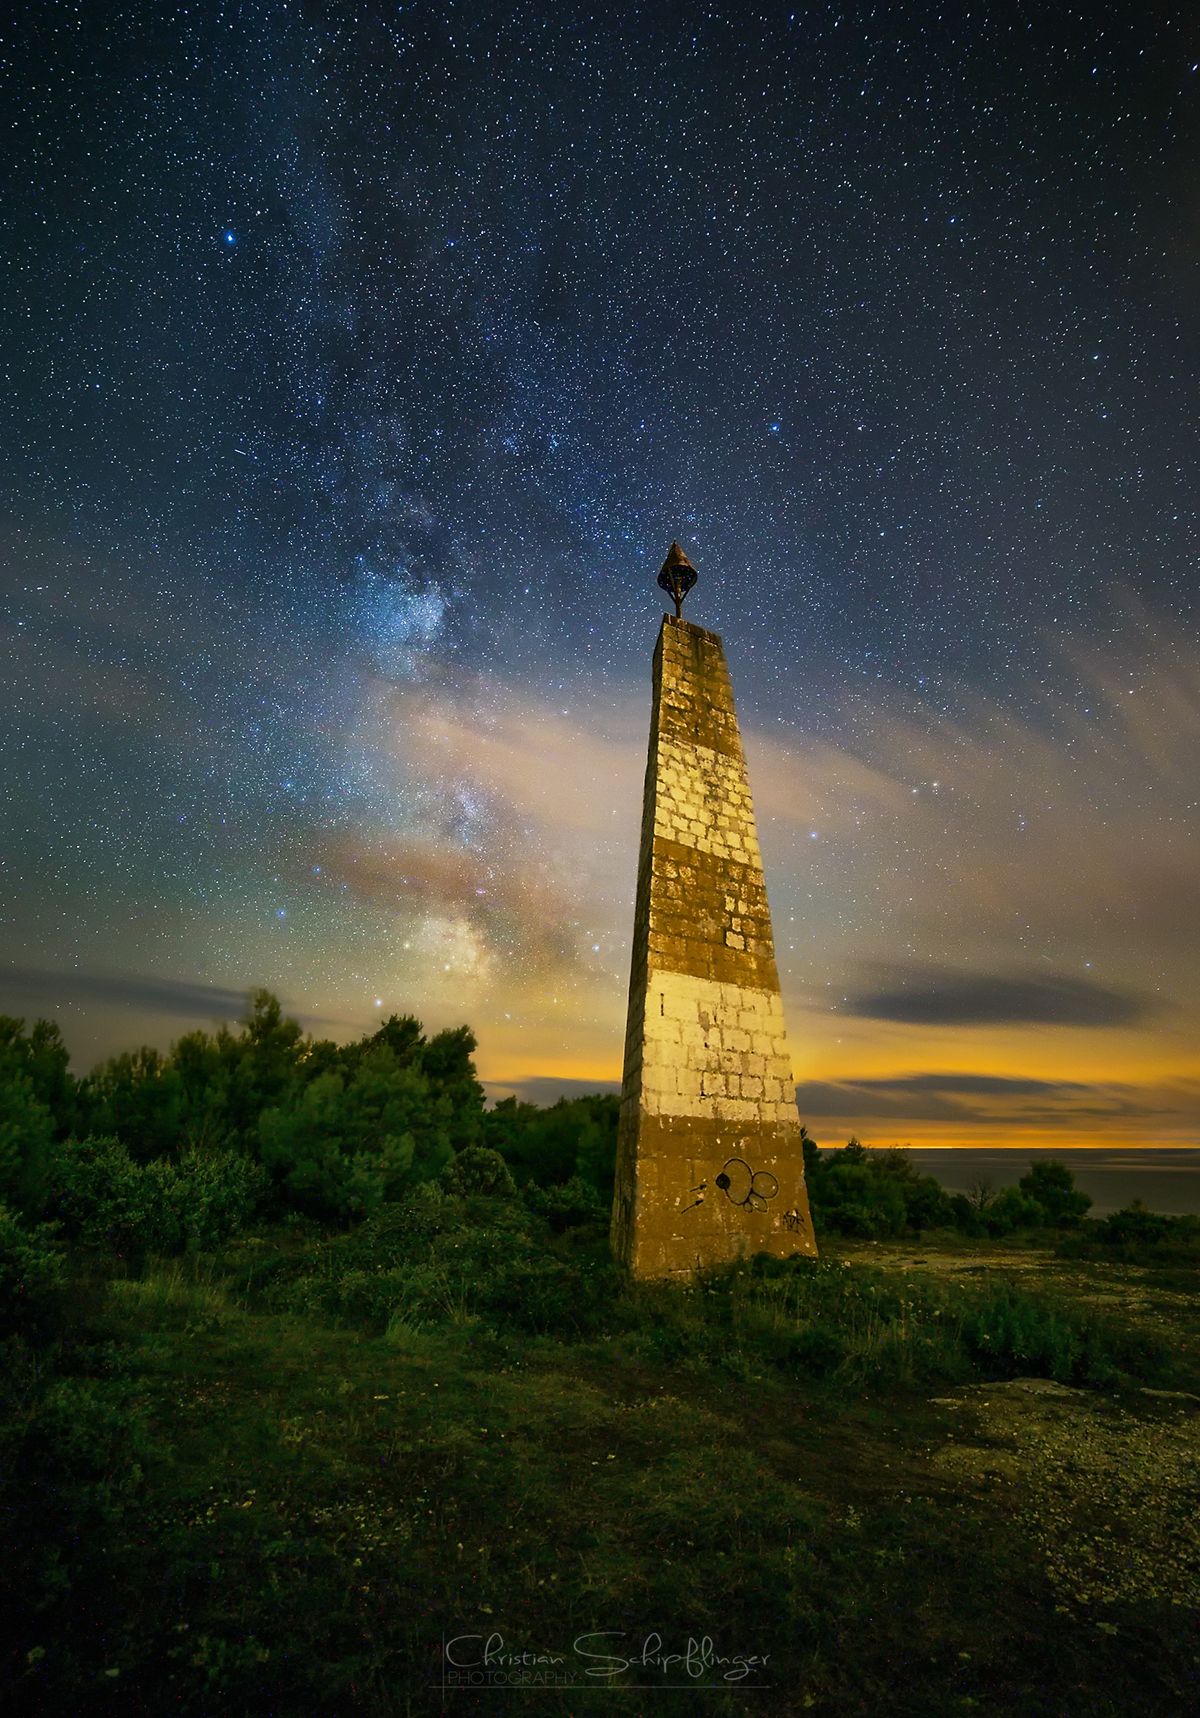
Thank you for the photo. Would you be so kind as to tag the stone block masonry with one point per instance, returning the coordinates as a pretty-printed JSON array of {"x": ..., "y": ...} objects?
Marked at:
[{"x": 709, "y": 1158}]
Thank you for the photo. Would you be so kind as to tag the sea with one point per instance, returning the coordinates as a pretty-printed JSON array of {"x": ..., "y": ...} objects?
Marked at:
[{"x": 1167, "y": 1180}]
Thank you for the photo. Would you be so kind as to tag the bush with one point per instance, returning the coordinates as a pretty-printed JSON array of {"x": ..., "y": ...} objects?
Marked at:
[
  {"x": 107, "y": 1201},
  {"x": 548, "y": 1295},
  {"x": 858, "y": 1326},
  {"x": 1135, "y": 1235},
  {"x": 567, "y": 1207},
  {"x": 851, "y": 1198},
  {"x": 215, "y": 1194},
  {"x": 72, "y": 1456},
  {"x": 878, "y": 1194},
  {"x": 31, "y": 1276},
  {"x": 817, "y": 1351},
  {"x": 438, "y": 1257},
  {"x": 477, "y": 1169},
  {"x": 1008, "y": 1331},
  {"x": 1013, "y": 1209},
  {"x": 1134, "y": 1225},
  {"x": 576, "y": 1137}
]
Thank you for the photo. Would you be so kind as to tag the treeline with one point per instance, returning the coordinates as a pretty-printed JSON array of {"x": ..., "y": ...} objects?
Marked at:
[
  {"x": 153, "y": 1152},
  {"x": 880, "y": 1194}
]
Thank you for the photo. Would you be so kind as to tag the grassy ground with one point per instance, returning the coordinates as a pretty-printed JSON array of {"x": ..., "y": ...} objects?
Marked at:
[
  {"x": 824, "y": 1470},
  {"x": 1157, "y": 1297}
]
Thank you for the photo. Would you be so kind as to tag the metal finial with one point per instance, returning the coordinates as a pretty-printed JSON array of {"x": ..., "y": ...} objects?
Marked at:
[{"x": 677, "y": 577}]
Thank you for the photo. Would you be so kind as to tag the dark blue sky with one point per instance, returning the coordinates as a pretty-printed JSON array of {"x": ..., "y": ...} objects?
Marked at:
[{"x": 360, "y": 364}]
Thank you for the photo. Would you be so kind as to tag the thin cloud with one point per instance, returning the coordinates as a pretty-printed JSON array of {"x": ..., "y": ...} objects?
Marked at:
[
  {"x": 979, "y": 1099},
  {"x": 32, "y": 988},
  {"x": 544, "y": 1089},
  {"x": 944, "y": 997}
]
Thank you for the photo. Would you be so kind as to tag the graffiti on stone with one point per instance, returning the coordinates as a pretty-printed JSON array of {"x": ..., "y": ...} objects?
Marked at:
[{"x": 747, "y": 1187}]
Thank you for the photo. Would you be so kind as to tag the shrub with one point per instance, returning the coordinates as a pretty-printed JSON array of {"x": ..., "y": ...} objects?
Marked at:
[
  {"x": 817, "y": 1350},
  {"x": 1134, "y": 1224},
  {"x": 107, "y": 1201},
  {"x": 574, "y": 1137},
  {"x": 1138, "y": 1236},
  {"x": 548, "y": 1295},
  {"x": 439, "y": 1257},
  {"x": 568, "y": 1206},
  {"x": 862, "y": 1326},
  {"x": 1013, "y": 1209},
  {"x": 850, "y": 1197},
  {"x": 31, "y": 1276},
  {"x": 72, "y": 1455},
  {"x": 478, "y": 1169},
  {"x": 215, "y": 1193}
]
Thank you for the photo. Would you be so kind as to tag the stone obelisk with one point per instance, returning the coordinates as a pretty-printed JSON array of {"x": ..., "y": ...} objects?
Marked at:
[{"x": 710, "y": 1164}]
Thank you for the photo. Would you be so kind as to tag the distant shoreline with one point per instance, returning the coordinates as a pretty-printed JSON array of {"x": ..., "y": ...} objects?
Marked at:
[{"x": 1166, "y": 1178}]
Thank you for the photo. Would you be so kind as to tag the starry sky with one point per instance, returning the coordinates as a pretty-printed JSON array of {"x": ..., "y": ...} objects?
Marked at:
[{"x": 360, "y": 363}]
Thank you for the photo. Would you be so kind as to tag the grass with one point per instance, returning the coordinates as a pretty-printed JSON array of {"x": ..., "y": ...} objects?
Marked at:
[{"x": 348, "y": 1449}]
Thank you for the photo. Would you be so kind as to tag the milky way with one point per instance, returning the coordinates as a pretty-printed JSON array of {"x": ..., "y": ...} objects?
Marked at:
[{"x": 361, "y": 363}]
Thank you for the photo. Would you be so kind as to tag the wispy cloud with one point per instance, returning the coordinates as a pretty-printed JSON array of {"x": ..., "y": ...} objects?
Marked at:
[
  {"x": 969, "y": 1099},
  {"x": 541, "y": 1089},
  {"x": 941, "y": 996},
  {"x": 28, "y": 988}
]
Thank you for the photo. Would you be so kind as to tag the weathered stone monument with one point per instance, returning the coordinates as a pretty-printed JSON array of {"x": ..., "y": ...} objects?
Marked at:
[{"x": 709, "y": 1158}]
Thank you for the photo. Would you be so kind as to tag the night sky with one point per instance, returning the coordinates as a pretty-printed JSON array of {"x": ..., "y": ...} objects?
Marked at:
[{"x": 360, "y": 364}]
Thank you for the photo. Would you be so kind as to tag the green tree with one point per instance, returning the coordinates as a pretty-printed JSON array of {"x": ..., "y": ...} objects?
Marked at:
[
  {"x": 227, "y": 1079},
  {"x": 202, "y": 1063},
  {"x": 550, "y": 1146},
  {"x": 402, "y": 1035},
  {"x": 812, "y": 1153},
  {"x": 596, "y": 1145},
  {"x": 849, "y": 1193},
  {"x": 1053, "y": 1186},
  {"x": 504, "y": 1128},
  {"x": 138, "y": 1098},
  {"x": 343, "y": 1144},
  {"x": 43, "y": 1059},
  {"x": 264, "y": 1062},
  {"x": 447, "y": 1063},
  {"x": 26, "y": 1133}
]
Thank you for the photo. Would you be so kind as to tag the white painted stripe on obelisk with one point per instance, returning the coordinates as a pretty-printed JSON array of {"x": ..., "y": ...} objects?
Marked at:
[{"x": 715, "y": 1050}]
